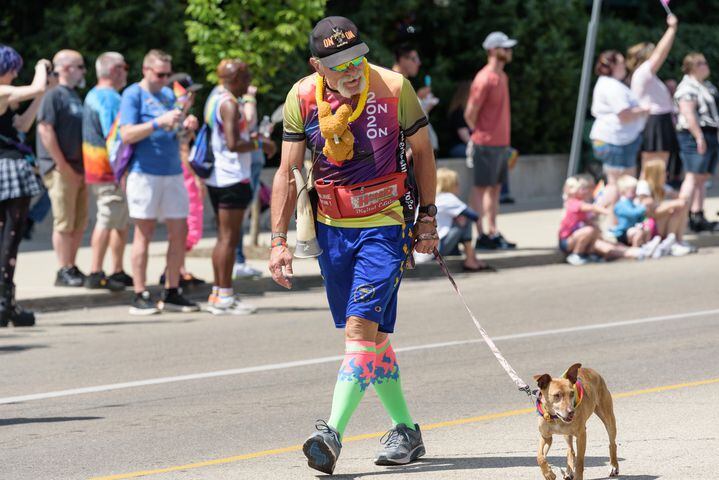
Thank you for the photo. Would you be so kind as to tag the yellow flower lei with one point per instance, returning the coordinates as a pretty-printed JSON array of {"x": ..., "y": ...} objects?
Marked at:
[{"x": 320, "y": 93}]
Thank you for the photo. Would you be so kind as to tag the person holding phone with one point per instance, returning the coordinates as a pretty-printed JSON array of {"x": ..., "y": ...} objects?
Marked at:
[
  {"x": 18, "y": 183},
  {"x": 155, "y": 186}
]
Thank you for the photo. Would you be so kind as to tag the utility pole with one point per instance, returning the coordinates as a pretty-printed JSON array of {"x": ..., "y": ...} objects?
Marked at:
[{"x": 576, "y": 151}]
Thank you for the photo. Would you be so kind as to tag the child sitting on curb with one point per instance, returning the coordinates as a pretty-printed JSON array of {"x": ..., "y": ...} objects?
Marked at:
[
  {"x": 578, "y": 232},
  {"x": 454, "y": 222},
  {"x": 669, "y": 211},
  {"x": 630, "y": 228}
]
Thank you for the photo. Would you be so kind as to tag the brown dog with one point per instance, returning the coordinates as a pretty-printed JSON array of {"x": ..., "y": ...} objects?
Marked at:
[{"x": 565, "y": 404}]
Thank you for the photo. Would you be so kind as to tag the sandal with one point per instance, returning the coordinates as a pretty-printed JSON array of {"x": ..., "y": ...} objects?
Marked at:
[{"x": 482, "y": 268}]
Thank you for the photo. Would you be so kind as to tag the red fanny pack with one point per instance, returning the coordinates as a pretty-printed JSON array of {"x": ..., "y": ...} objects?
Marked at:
[{"x": 362, "y": 199}]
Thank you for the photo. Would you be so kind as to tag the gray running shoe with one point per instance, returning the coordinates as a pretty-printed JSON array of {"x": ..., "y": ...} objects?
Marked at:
[
  {"x": 323, "y": 448},
  {"x": 402, "y": 445}
]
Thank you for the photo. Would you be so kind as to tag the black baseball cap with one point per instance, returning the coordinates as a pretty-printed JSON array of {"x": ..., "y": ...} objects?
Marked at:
[
  {"x": 185, "y": 82},
  {"x": 336, "y": 40}
]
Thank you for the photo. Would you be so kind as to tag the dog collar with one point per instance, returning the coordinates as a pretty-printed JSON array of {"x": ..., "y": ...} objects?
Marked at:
[{"x": 578, "y": 397}]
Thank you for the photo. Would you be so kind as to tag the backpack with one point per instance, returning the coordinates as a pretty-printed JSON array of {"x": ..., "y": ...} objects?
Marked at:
[
  {"x": 119, "y": 154},
  {"x": 202, "y": 158}
]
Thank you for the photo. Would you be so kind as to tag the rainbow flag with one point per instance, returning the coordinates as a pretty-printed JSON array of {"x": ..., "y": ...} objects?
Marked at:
[
  {"x": 180, "y": 94},
  {"x": 113, "y": 135},
  {"x": 178, "y": 90}
]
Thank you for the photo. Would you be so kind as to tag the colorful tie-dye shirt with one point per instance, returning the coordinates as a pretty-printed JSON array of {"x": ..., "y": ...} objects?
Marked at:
[
  {"x": 392, "y": 114},
  {"x": 101, "y": 107}
]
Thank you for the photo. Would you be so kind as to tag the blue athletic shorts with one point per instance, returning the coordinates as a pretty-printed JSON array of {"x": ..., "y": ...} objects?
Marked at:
[{"x": 362, "y": 269}]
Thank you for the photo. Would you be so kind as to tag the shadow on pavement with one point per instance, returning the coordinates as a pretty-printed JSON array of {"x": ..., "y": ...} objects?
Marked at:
[
  {"x": 154, "y": 321},
  {"x": 19, "y": 348},
  {"x": 434, "y": 464},
  {"x": 4, "y": 422},
  {"x": 291, "y": 309}
]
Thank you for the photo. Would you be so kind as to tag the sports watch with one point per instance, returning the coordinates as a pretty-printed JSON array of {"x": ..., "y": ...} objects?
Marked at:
[{"x": 430, "y": 210}]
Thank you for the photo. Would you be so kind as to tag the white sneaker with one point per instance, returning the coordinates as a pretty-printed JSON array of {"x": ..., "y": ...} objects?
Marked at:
[
  {"x": 242, "y": 270},
  {"x": 681, "y": 249},
  {"x": 576, "y": 259},
  {"x": 422, "y": 257},
  {"x": 230, "y": 306},
  {"x": 649, "y": 249},
  {"x": 665, "y": 248}
]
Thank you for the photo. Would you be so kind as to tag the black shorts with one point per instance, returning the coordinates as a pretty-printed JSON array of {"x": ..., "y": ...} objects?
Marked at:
[
  {"x": 490, "y": 165},
  {"x": 233, "y": 197}
]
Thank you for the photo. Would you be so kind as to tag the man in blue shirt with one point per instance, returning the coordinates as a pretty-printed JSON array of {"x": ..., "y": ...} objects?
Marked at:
[{"x": 155, "y": 188}]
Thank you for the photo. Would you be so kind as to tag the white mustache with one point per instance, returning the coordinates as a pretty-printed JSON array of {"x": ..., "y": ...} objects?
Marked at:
[{"x": 342, "y": 81}]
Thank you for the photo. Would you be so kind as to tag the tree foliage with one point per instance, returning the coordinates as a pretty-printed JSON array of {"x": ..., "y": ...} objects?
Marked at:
[
  {"x": 262, "y": 33},
  {"x": 38, "y": 29},
  {"x": 543, "y": 76},
  {"x": 271, "y": 35}
]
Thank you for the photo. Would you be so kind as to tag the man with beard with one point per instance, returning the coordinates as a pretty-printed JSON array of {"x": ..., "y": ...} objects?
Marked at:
[
  {"x": 487, "y": 115},
  {"x": 365, "y": 220},
  {"x": 59, "y": 154}
]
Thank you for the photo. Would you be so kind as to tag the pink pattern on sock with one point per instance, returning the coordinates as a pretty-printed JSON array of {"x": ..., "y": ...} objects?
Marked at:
[
  {"x": 358, "y": 366},
  {"x": 385, "y": 366}
]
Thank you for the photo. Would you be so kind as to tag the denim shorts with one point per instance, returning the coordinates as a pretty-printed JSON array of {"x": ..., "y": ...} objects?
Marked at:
[
  {"x": 564, "y": 245},
  {"x": 617, "y": 156},
  {"x": 694, "y": 162}
]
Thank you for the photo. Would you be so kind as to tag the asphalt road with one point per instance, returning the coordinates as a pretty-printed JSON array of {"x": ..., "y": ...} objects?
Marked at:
[{"x": 100, "y": 394}]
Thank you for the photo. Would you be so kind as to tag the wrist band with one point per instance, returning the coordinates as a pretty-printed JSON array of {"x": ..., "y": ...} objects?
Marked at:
[
  {"x": 155, "y": 125},
  {"x": 278, "y": 242},
  {"x": 278, "y": 235}
]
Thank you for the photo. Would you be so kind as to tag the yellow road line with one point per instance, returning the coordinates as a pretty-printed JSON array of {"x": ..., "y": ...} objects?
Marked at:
[{"x": 356, "y": 438}]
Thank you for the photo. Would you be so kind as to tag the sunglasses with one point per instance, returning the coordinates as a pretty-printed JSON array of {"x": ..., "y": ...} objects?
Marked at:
[
  {"x": 160, "y": 74},
  {"x": 123, "y": 66},
  {"x": 344, "y": 66},
  {"x": 80, "y": 67}
]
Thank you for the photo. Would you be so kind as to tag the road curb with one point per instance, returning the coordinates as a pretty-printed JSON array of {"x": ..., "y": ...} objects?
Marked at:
[{"x": 262, "y": 285}]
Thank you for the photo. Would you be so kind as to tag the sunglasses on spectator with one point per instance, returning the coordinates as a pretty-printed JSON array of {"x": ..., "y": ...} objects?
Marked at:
[
  {"x": 123, "y": 66},
  {"x": 80, "y": 67},
  {"x": 344, "y": 66},
  {"x": 701, "y": 62},
  {"x": 160, "y": 74}
]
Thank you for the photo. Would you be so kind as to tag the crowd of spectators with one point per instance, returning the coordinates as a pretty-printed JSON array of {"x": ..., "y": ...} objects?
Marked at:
[
  {"x": 639, "y": 125},
  {"x": 642, "y": 126},
  {"x": 152, "y": 118}
]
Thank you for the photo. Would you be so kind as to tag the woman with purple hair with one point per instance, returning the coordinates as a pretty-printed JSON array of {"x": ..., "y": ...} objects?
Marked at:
[{"x": 18, "y": 182}]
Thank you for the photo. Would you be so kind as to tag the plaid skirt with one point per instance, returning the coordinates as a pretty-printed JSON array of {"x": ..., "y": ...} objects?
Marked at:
[{"x": 17, "y": 179}]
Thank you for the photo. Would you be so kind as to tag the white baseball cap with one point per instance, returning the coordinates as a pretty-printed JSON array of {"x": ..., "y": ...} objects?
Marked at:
[{"x": 498, "y": 40}]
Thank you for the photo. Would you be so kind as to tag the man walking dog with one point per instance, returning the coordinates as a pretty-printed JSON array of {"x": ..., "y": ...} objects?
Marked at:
[{"x": 366, "y": 234}]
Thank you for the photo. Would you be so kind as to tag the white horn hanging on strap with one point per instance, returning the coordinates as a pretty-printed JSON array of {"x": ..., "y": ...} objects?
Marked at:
[{"x": 307, "y": 246}]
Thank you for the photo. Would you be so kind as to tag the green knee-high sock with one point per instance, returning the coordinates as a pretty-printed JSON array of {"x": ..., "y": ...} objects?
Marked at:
[
  {"x": 388, "y": 385},
  {"x": 355, "y": 375}
]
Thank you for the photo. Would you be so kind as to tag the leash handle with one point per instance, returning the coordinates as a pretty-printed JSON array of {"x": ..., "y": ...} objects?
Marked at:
[{"x": 521, "y": 384}]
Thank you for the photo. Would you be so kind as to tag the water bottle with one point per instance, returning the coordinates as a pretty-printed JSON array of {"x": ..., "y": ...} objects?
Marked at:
[{"x": 265, "y": 128}]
